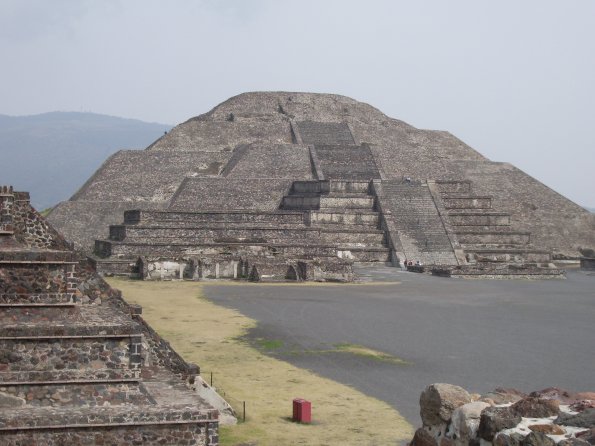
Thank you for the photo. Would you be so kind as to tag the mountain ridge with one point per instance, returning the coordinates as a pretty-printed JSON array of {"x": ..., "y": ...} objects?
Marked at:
[{"x": 52, "y": 154}]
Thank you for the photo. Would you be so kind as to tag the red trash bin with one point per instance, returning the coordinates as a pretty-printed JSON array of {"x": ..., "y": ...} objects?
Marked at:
[{"x": 302, "y": 411}]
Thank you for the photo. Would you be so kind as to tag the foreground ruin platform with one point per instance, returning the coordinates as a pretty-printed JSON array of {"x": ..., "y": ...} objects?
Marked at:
[
  {"x": 274, "y": 186},
  {"x": 78, "y": 365}
]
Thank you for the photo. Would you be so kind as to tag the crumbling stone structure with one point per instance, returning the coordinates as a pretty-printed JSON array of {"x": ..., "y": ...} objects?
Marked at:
[
  {"x": 78, "y": 365},
  {"x": 505, "y": 417},
  {"x": 299, "y": 185}
]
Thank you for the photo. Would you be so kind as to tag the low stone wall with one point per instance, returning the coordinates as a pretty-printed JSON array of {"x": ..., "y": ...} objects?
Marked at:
[
  {"x": 162, "y": 217},
  {"x": 505, "y": 417},
  {"x": 587, "y": 263},
  {"x": 76, "y": 395},
  {"x": 495, "y": 270},
  {"x": 182, "y": 434},
  {"x": 146, "y": 425},
  {"x": 33, "y": 278},
  {"x": 57, "y": 354}
]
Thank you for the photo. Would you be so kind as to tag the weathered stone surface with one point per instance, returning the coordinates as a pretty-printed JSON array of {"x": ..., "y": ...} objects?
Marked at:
[
  {"x": 584, "y": 419},
  {"x": 537, "y": 439},
  {"x": 503, "y": 395},
  {"x": 554, "y": 393},
  {"x": 465, "y": 420},
  {"x": 532, "y": 407},
  {"x": 573, "y": 442},
  {"x": 581, "y": 405},
  {"x": 513, "y": 439},
  {"x": 438, "y": 401},
  {"x": 259, "y": 136},
  {"x": 551, "y": 429},
  {"x": 422, "y": 438},
  {"x": 588, "y": 436},
  {"x": 74, "y": 353},
  {"x": 445, "y": 441},
  {"x": 495, "y": 419},
  {"x": 10, "y": 401}
]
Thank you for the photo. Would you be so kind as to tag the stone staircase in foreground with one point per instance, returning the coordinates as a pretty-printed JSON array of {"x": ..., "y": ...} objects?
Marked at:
[{"x": 74, "y": 371}]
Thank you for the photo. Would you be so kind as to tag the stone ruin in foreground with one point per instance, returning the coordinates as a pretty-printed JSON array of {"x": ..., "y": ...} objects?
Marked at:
[
  {"x": 78, "y": 365},
  {"x": 505, "y": 417},
  {"x": 300, "y": 186}
]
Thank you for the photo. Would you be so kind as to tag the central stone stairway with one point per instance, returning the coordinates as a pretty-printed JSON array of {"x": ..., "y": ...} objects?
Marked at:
[
  {"x": 344, "y": 211},
  {"x": 411, "y": 211}
]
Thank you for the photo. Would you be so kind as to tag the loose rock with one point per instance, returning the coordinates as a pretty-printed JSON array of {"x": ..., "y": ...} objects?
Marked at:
[
  {"x": 554, "y": 393},
  {"x": 503, "y": 395},
  {"x": 588, "y": 436},
  {"x": 465, "y": 420},
  {"x": 438, "y": 401},
  {"x": 552, "y": 429},
  {"x": 574, "y": 442},
  {"x": 584, "y": 419},
  {"x": 422, "y": 438},
  {"x": 537, "y": 439},
  {"x": 532, "y": 407},
  {"x": 495, "y": 419},
  {"x": 513, "y": 439}
]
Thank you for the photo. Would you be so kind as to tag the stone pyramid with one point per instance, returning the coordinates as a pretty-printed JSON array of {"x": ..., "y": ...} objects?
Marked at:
[
  {"x": 78, "y": 365},
  {"x": 302, "y": 184}
]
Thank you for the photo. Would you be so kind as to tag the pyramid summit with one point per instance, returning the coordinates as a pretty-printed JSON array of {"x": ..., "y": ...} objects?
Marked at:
[{"x": 302, "y": 184}]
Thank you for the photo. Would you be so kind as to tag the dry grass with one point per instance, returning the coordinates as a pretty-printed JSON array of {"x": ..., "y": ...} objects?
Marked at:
[{"x": 207, "y": 334}]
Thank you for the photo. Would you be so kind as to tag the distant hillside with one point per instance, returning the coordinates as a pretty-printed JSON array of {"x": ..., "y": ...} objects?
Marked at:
[{"x": 52, "y": 154}]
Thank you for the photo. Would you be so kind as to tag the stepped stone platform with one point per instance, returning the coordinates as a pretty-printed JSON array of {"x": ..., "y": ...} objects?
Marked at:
[
  {"x": 271, "y": 181},
  {"x": 78, "y": 365}
]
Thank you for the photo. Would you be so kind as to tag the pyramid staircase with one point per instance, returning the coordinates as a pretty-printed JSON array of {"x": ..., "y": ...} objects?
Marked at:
[
  {"x": 345, "y": 212},
  {"x": 333, "y": 222},
  {"x": 73, "y": 372},
  {"x": 484, "y": 233},
  {"x": 412, "y": 214}
]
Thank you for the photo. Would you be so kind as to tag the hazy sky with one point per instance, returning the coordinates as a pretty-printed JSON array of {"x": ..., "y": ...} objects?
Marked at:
[{"x": 514, "y": 79}]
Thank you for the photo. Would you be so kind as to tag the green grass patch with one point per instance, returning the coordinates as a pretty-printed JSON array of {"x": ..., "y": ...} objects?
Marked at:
[
  {"x": 269, "y": 344},
  {"x": 367, "y": 352}
]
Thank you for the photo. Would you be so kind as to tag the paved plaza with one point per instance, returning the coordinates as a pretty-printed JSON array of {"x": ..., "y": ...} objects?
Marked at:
[{"x": 477, "y": 334}]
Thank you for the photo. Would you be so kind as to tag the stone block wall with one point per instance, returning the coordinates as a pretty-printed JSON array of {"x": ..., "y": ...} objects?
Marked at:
[
  {"x": 71, "y": 353},
  {"x": 218, "y": 194},
  {"x": 149, "y": 435},
  {"x": 79, "y": 395},
  {"x": 6, "y": 209},
  {"x": 132, "y": 217},
  {"x": 261, "y": 160},
  {"x": 114, "y": 425},
  {"x": 64, "y": 353},
  {"x": 35, "y": 278}
]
